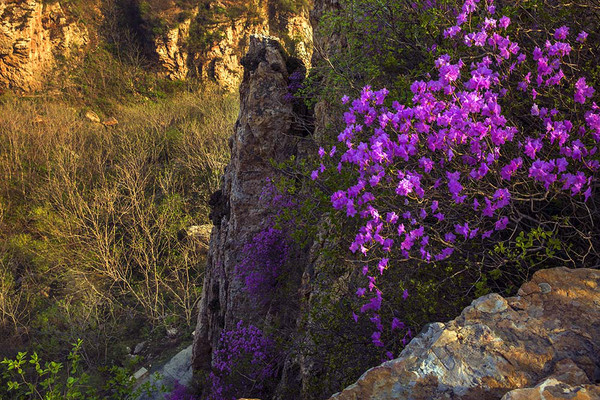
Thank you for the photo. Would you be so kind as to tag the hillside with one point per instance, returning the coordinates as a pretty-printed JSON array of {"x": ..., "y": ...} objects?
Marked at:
[
  {"x": 174, "y": 39},
  {"x": 353, "y": 199}
]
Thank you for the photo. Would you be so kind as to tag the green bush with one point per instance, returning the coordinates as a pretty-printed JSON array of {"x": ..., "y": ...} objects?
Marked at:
[{"x": 31, "y": 378}]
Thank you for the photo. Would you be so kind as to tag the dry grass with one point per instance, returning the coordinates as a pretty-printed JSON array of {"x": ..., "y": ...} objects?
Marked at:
[{"x": 90, "y": 215}]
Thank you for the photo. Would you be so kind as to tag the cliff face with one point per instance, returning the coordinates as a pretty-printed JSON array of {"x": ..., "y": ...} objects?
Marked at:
[
  {"x": 542, "y": 344},
  {"x": 210, "y": 39},
  {"x": 192, "y": 38},
  {"x": 264, "y": 132},
  {"x": 33, "y": 35}
]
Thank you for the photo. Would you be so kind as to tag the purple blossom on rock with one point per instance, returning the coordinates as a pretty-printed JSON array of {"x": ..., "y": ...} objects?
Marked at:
[
  {"x": 244, "y": 351},
  {"x": 264, "y": 258},
  {"x": 180, "y": 392}
]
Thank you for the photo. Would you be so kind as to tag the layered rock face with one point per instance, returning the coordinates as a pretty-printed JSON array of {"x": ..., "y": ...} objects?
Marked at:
[
  {"x": 542, "y": 344},
  {"x": 32, "y": 36},
  {"x": 204, "y": 39},
  {"x": 224, "y": 38},
  {"x": 263, "y": 132}
]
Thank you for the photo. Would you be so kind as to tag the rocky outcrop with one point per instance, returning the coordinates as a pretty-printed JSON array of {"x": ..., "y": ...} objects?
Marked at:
[
  {"x": 263, "y": 132},
  {"x": 209, "y": 40},
  {"x": 170, "y": 49},
  {"x": 567, "y": 382},
  {"x": 542, "y": 344},
  {"x": 33, "y": 35},
  {"x": 203, "y": 39}
]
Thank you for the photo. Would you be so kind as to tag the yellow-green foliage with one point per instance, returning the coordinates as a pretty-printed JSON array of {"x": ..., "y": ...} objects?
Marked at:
[{"x": 91, "y": 216}]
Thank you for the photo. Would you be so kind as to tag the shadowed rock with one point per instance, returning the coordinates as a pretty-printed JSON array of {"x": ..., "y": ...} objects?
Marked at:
[{"x": 263, "y": 132}]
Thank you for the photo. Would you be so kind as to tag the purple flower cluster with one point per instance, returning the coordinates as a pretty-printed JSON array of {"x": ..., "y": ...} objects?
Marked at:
[
  {"x": 179, "y": 392},
  {"x": 295, "y": 84},
  {"x": 262, "y": 262},
  {"x": 245, "y": 354},
  {"x": 445, "y": 169}
]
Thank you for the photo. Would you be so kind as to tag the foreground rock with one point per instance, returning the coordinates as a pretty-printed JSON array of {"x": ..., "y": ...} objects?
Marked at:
[
  {"x": 545, "y": 342},
  {"x": 178, "y": 370},
  {"x": 567, "y": 382}
]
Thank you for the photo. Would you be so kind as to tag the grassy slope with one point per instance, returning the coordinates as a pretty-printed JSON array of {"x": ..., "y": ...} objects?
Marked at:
[{"x": 91, "y": 216}]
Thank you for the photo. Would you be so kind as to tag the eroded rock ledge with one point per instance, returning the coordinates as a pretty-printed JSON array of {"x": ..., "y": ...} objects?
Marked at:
[{"x": 542, "y": 344}]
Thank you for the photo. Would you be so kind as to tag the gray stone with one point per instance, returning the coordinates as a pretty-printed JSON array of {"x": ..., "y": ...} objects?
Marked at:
[
  {"x": 177, "y": 369},
  {"x": 545, "y": 288},
  {"x": 172, "y": 332},
  {"x": 139, "y": 347},
  {"x": 140, "y": 373}
]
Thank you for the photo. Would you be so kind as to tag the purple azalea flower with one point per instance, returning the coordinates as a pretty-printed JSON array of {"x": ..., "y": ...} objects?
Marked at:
[
  {"x": 504, "y": 22},
  {"x": 561, "y": 33},
  {"x": 583, "y": 91}
]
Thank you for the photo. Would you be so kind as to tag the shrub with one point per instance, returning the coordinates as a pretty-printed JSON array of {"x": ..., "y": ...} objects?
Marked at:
[
  {"x": 244, "y": 364},
  {"x": 30, "y": 378},
  {"x": 94, "y": 217},
  {"x": 441, "y": 178}
]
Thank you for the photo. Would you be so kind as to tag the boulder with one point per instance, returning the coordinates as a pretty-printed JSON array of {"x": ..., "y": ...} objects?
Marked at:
[
  {"x": 567, "y": 382},
  {"x": 542, "y": 344}
]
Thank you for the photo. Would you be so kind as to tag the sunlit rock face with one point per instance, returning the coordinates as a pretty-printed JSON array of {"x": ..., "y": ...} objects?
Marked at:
[
  {"x": 33, "y": 35},
  {"x": 36, "y": 36},
  {"x": 214, "y": 50},
  {"x": 545, "y": 343}
]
